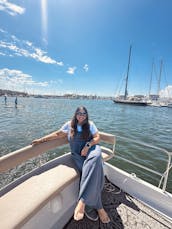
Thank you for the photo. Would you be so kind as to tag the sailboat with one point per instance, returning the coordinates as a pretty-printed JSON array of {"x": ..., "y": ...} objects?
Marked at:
[
  {"x": 124, "y": 99},
  {"x": 157, "y": 102}
]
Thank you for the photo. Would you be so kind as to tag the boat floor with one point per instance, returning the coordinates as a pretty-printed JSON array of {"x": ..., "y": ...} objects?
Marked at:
[{"x": 124, "y": 212}]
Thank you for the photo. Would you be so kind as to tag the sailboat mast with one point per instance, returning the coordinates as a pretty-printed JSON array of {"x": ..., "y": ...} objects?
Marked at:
[
  {"x": 151, "y": 79},
  {"x": 159, "y": 80},
  {"x": 128, "y": 68}
]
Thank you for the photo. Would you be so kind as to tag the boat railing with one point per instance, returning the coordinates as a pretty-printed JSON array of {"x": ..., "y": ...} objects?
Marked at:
[
  {"x": 20, "y": 156},
  {"x": 15, "y": 158},
  {"x": 163, "y": 175}
]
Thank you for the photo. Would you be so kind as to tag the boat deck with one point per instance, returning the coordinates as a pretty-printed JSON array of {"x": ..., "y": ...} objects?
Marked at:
[{"x": 124, "y": 212}]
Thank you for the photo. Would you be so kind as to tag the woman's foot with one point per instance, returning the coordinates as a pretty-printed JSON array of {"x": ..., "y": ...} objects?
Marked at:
[
  {"x": 103, "y": 216},
  {"x": 79, "y": 211}
]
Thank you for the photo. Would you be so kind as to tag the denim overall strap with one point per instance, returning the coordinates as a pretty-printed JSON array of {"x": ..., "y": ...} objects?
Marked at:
[{"x": 76, "y": 145}]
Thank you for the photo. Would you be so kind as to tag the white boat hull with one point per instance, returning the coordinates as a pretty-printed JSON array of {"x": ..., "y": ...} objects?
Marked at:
[{"x": 147, "y": 193}]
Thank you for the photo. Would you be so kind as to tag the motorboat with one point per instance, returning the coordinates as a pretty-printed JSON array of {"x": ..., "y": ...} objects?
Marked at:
[{"x": 46, "y": 197}]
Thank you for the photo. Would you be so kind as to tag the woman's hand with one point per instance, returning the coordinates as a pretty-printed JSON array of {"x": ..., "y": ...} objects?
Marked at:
[
  {"x": 55, "y": 135},
  {"x": 37, "y": 141},
  {"x": 84, "y": 151}
]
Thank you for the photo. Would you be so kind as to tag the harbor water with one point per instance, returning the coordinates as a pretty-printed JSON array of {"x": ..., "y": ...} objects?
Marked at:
[{"x": 36, "y": 117}]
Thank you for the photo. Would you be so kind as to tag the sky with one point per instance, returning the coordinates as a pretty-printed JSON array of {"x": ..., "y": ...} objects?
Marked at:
[{"x": 73, "y": 46}]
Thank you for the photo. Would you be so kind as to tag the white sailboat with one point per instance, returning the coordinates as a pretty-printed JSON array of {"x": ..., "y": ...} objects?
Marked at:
[
  {"x": 157, "y": 102},
  {"x": 46, "y": 197},
  {"x": 125, "y": 99}
]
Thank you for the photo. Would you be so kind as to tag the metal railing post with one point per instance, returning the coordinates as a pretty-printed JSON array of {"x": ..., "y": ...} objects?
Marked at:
[{"x": 166, "y": 173}]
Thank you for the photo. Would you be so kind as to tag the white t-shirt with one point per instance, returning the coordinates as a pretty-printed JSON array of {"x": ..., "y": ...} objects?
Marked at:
[{"x": 66, "y": 128}]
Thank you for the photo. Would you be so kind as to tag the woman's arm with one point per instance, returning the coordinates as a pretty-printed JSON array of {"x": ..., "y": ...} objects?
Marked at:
[
  {"x": 94, "y": 141},
  {"x": 52, "y": 136}
]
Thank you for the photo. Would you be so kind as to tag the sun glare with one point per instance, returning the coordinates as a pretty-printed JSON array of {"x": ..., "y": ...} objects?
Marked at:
[{"x": 44, "y": 19}]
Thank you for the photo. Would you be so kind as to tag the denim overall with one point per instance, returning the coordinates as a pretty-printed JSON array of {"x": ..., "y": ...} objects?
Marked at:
[{"x": 91, "y": 169}]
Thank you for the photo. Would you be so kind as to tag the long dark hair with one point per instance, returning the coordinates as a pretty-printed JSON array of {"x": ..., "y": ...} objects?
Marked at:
[{"x": 85, "y": 126}]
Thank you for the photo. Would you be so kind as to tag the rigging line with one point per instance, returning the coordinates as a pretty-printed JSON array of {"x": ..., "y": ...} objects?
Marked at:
[
  {"x": 119, "y": 86},
  {"x": 155, "y": 71},
  {"x": 150, "y": 85},
  {"x": 165, "y": 76},
  {"x": 159, "y": 78},
  {"x": 110, "y": 187},
  {"x": 122, "y": 84}
]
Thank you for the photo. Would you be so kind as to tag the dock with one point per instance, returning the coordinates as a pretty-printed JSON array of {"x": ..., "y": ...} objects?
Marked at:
[{"x": 124, "y": 211}]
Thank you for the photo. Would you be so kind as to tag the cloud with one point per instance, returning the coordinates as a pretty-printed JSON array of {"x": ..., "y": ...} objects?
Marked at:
[
  {"x": 71, "y": 70},
  {"x": 59, "y": 81},
  {"x": 12, "y": 78},
  {"x": 85, "y": 67},
  {"x": 2, "y": 54},
  {"x": 166, "y": 92},
  {"x": 11, "y": 8},
  {"x": 25, "y": 48},
  {"x": 2, "y": 31}
]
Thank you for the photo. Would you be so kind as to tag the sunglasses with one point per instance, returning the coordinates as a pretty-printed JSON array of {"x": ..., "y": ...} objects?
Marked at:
[{"x": 81, "y": 113}]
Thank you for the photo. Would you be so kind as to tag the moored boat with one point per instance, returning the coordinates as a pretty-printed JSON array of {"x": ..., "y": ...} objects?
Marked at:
[
  {"x": 169, "y": 105},
  {"x": 130, "y": 102},
  {"x": 125, "y": 99},
  {"x": 46, "y": 197},
  {"x": 158, "y": 104}
]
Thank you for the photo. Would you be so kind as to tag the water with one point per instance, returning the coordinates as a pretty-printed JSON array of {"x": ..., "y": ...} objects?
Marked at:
[{"x": 35, "y": 118}]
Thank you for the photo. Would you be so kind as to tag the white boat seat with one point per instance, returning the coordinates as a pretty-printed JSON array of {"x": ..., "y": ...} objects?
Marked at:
[
  {"x": 20, "y": 204},
  {"x": 25, "y": 200}
]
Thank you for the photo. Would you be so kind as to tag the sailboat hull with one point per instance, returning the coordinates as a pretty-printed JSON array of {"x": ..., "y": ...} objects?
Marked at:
[{"x": 136, "y": 103}]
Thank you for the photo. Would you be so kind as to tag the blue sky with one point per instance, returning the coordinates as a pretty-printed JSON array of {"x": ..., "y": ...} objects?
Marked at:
[{"x": 74, "y": 46}]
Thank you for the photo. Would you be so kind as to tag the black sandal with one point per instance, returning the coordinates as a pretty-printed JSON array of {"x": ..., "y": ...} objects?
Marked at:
[{"x": 91, "y": 213}]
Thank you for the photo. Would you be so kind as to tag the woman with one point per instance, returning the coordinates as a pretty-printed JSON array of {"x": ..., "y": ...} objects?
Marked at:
[{"x": 83, "y": 137}]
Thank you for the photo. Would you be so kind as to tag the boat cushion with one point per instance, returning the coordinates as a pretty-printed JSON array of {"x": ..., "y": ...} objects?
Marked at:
[
  {"x": 20, "y": 204},
  {"x": 25, "y": 200}
]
